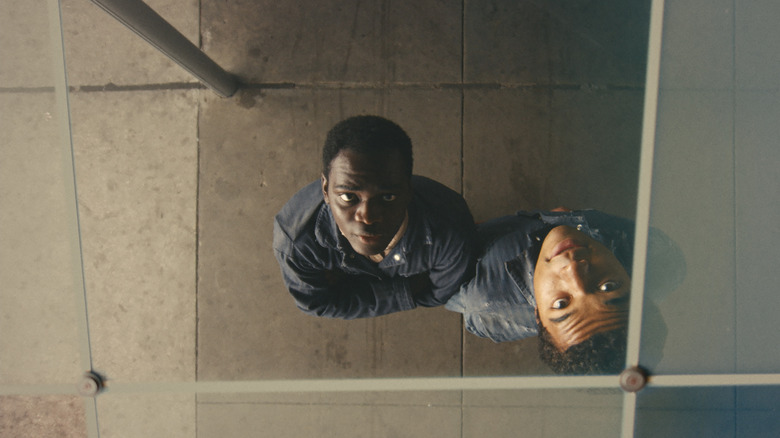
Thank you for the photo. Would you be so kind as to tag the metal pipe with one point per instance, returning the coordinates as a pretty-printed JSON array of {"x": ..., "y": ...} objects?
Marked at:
[{"x": 149, "y": 25}]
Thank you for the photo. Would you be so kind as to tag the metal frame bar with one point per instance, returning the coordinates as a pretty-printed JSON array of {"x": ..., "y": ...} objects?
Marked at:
[{"x": 150, "y": 26}]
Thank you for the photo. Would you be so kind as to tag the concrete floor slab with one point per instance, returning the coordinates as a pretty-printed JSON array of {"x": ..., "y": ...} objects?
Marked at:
[
  {"x": 329, "y": 420},
  {"x": 48, "y": 416},
  {"x": 556, "y": 42},
  {"x": 136, "y": 170},
  {"x": 543, "y": 413},
  {"x": 535, "y": 149},
  {"x": 540, "y": 398},
  {"x": 541, "y": 422},
  {"x": 27, "y": 44},
  {"x": 101, "y": 51},
  {"x": 310, "y": 41},
  {"x": 41, "y": 273},
  {"x": 483, "y": 357},
  {"x": 400, "y": 397},
  {"x": 157, "y": 166},
  {"x": 147, "y": 415},
  {"x": 254, "y": 156}
]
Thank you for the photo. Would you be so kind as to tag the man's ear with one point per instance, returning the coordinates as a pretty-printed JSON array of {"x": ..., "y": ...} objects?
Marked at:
[
  {"x": 538, "y": 320},
  {"x": 324, "y": 182}
]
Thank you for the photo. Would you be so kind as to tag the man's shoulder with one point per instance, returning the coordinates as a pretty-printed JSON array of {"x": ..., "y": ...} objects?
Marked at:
[
  {"x": 438, "y": 200},
  {"x": 299, "y": 212},
  {"x": 429, "y": 188},
  {"x": 512, "y": 232}
]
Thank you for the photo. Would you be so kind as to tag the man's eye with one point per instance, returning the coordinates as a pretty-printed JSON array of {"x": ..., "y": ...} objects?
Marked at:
[
  {"x": 347, "y": 197},
  {"x": 389, "y": 197},
  {"x": 560, "y": 303},
  {"x": 609, "y": 286}
]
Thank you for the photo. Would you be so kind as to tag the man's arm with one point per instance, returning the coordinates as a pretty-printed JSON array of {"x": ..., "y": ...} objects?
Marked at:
[
  {"x": 335, "y": 294},
  {"x": 454, "y": 236},
  {"x": 452, "y": 265}
]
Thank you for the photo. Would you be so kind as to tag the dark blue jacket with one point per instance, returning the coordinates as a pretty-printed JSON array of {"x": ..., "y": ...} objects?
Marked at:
[{"x": 313, "y": 255}]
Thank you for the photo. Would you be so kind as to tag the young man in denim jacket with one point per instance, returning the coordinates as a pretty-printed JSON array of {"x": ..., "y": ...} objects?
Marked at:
[{"x": 369, "y": 238}]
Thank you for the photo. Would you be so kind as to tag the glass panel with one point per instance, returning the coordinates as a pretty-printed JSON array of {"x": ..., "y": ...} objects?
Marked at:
[
  {"x": 543, "y": 413},
  {"x": 712, "y": 412},
  {"x": 43, "y": 416},
  {"x": 713, "y": 175},
  {"x": 685, "y": 412},
  {"x": 40, "y": 266},
  {"x": 138, "y": 225},
  {"x": 758, "y": 415},
  {"x": 756, "y": 155},
  {"x": 471, "y": 414},
  {"x": 147, "y": 415}
]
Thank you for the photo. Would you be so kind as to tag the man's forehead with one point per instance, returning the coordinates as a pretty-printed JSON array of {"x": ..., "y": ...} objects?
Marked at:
[
  {"x": 357, "y": 183},
  {"x": 345, "y": 176}
]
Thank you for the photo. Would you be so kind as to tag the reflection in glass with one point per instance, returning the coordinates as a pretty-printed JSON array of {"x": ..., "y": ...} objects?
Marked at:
[
  {"x": 40, "y": 266},
  {"x": 561, "y": 275},
  {"x": 414, "y": 413},
  {"x": 749, "y": 412},
  {"x": 714, "y": 170}
]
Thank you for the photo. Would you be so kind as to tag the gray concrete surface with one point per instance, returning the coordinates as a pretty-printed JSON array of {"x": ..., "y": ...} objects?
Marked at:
[{"x": 517, "y": 106}]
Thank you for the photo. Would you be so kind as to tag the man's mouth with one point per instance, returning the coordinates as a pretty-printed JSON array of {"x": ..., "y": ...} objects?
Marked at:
[{"x": 369, "y": 238}]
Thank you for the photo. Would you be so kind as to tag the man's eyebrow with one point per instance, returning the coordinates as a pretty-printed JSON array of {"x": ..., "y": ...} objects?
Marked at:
[
  {"x": 560, "y": 318},
  {"x": 347, "y": 187},
  {"x": 355, "y": 188}
]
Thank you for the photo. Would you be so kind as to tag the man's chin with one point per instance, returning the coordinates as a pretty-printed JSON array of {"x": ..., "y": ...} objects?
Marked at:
[
  {"x": 367, "y": 246},
  {"x": 366, "y": 250}
]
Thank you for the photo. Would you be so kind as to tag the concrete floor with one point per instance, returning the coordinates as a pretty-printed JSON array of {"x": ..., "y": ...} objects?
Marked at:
[{"x": 517, "y": 105}]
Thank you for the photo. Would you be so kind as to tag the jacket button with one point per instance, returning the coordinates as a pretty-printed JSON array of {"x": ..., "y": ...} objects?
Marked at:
[{"x": 397, "y": 257}]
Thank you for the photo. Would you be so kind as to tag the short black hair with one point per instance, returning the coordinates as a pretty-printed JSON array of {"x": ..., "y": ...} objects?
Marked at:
[
  {"x": 366, "y": 135},
  {"x": 602, "y": 353}
]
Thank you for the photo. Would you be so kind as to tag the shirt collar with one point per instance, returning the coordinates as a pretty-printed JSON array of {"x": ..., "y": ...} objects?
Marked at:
[
  {"x": 417, "y": 230},
  {"x": 325, "y": 229},
  {"x": 521, "y": 268},
  {"x": 376, "y": 258}
]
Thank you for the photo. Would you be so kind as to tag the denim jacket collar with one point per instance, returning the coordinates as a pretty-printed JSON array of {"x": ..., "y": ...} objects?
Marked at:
[
  {"x": 325, "y": 229},
  {"x": 521, "y": 268},
  {"x": 419, "y": 231}
]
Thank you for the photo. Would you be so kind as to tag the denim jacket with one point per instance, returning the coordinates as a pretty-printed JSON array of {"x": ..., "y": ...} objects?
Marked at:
[
  {"x": 327, "y": 278},
  {"x": 498, "y": 303}
]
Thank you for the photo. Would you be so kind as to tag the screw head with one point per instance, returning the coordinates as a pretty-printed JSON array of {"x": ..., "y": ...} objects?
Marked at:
[
  {"x": 90, "y": 384},
  {"x": 633, "y": 379}
]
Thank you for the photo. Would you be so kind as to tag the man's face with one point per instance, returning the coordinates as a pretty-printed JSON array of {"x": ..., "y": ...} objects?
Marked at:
[
  {"x": 580, "y": 287},
  {"x": 368, "y": 195}
]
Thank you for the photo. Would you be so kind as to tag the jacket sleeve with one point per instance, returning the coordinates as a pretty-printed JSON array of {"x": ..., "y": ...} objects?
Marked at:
[
  {"x": 452, "y": 265},
  {"x": 492, "y": 303},
  {"x": 323, "y": 291}
]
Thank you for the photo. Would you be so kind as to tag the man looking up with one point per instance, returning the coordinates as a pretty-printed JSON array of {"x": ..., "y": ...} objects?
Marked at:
[
  {"x": 562, "y": 275},
  {"x": 370, "y": 238}
]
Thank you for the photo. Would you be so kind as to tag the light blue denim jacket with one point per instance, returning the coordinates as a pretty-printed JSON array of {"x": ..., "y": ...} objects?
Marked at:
[
  {"x": 498, "y": 303},
  {"x": 439, "y": 240}
]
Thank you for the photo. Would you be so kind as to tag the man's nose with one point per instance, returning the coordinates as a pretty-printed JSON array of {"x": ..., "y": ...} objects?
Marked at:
[
  {"x": 576, "y": 271},
  {"x": 367, "y": 213}
]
